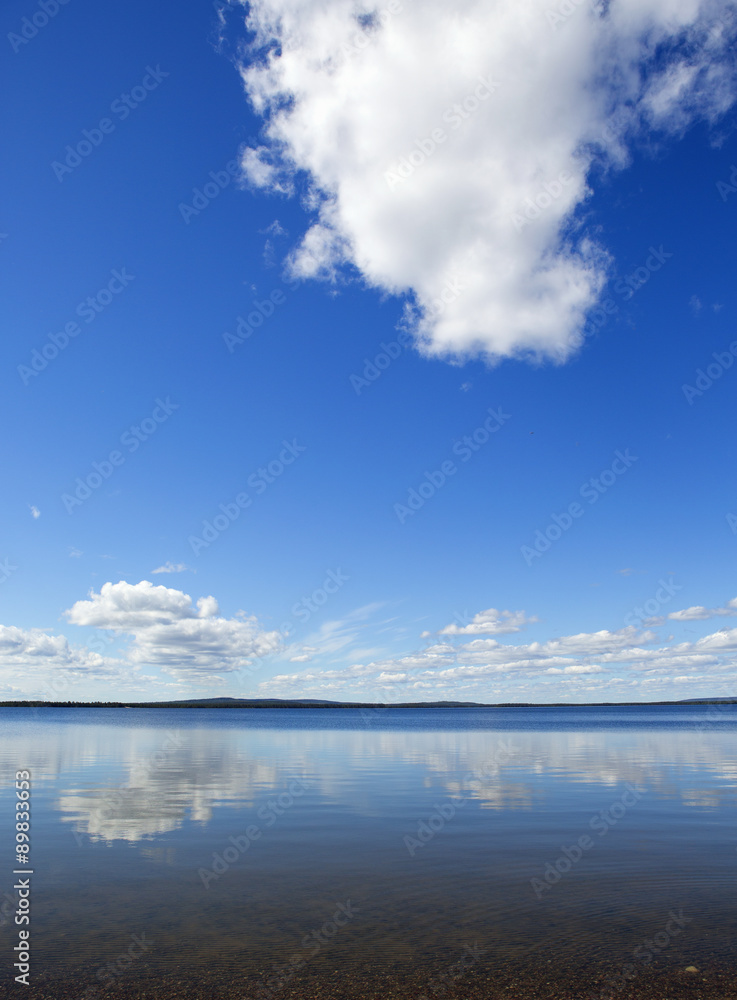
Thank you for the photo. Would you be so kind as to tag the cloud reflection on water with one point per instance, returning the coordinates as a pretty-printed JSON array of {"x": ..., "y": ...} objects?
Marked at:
[{"x": 139, "y": 782}]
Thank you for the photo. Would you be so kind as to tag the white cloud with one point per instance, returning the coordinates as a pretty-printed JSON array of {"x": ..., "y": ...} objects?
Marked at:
[
  {"x": 193, "y": 643},
  {"x": 274, "y": 228},
  {"x": 696, "y": 613},
  {"x": 170, "y": 567},
  {"x": 29, "y": 649},
  {"x": 578, "y": 666},
  {"x": 699, "y": 613},
  {"x": 490, "y": 622},
  {"x": 335, "y": 636},
  {"x": 125, "y": 607},
  {"x": 305, "y": 656},
  {"x": 48, "y": 667},
  {"x": 352, "y": 94},
  {"x": 169, "y": 631},
  {"x": 35, "y": 512},
  {"x": 74, "y": 553}
]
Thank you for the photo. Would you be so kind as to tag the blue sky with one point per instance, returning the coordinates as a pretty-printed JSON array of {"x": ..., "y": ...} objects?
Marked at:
[{"x": 280, "y": 178}]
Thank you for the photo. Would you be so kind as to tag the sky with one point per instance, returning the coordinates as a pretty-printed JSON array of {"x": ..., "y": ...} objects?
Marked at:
[{"x": 381, "y": 352}]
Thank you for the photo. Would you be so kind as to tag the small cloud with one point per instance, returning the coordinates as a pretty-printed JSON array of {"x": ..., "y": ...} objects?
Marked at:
[
  {"x": 696, "y": 304},
  {"x": 578, "y": 668},
  {"x": 274, "y": 229},
  {"x": 74, "y": 553},
  {"x": 625, "y": 572},
  {"x": 465, "y": 386},
  {"x": 170, "y": 567},
  {"x": 717, "y": 307},
  {"x": 35, "y": 512},
  {"x": 303, "y": 655},
  {"x": 489, "y": 622},
  {"x": 699, "y": 613}
]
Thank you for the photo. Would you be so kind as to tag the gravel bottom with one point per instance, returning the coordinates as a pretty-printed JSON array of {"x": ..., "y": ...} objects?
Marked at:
[{"x": 539, "y": 982}]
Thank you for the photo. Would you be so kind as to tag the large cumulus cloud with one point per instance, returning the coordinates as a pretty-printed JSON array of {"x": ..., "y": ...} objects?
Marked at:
[
  {"x": 444, "y": 147},
  {"x": 168, "y": 630}
]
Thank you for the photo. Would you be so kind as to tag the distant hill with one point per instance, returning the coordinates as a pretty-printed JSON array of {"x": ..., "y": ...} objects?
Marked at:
[{"x": 700, "y": 701}]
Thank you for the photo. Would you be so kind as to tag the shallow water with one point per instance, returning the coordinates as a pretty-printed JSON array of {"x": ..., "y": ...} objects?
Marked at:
[{"x": 288, "y": 847}]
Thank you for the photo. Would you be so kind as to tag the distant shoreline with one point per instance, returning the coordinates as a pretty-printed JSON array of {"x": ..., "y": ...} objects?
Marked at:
[{"x": 311, "y": 703}]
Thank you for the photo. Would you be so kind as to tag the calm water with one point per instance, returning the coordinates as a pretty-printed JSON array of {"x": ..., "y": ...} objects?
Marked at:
[{"x": 421, "y": 832}]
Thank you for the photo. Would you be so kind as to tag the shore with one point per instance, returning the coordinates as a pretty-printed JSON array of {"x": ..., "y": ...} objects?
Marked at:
[{"x": 544, "y": 981}]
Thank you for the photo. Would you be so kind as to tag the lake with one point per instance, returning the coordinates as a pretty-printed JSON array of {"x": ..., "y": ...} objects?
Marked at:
[{"x": 274, "y": 853}]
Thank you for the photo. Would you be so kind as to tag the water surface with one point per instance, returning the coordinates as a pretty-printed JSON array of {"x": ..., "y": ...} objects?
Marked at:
[{"x": 281, "y": 847}]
